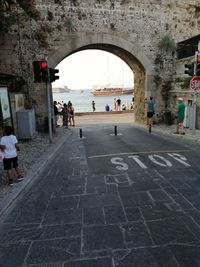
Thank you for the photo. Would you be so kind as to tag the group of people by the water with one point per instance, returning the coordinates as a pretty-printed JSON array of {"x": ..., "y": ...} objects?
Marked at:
[
  {"x": 117, "y": 105},
  {"x": 64, "y": 114}
]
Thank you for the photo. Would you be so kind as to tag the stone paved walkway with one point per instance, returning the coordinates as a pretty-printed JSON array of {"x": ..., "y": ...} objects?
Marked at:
[
  {"x": 33, "y": 156},
  {"x": 35, "y": 153},
  {"x": 75, "y": 217}
]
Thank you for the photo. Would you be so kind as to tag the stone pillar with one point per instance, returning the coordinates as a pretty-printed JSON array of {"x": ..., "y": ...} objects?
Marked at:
[
  {"x": 38, "y": 96},
  {"x": 140, "y": 92}
]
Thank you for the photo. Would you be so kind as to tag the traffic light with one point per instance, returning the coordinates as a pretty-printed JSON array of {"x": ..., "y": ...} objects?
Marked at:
[
  {"x": 52, "y": 74},
  {"x": 189, "y": 69},
  {"x": 40, "y": 71},
  {"x": 198, "y": 65}
]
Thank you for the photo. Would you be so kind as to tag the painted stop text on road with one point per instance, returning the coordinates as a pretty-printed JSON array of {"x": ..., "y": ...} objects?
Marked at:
[{"x": 166, "y": 161}]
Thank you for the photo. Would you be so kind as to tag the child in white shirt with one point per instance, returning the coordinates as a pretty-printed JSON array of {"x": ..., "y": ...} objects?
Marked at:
[{"x": 9, "y": 145}]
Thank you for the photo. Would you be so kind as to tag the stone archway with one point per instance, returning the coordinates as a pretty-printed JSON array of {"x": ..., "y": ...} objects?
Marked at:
[{"x": 132, "y": 54}]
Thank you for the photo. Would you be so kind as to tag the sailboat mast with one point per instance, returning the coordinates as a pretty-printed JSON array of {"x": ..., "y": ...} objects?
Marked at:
[
  {"x": 122, "y": 74},
  {"x": 108, "y": 70}
]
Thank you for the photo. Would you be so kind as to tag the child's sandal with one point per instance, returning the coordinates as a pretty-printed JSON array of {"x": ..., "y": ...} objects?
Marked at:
[
  {"x": 10, "y": 182},
  {"x": 20, "y": 178}
]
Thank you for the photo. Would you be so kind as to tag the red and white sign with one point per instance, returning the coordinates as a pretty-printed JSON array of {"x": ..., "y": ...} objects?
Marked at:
[{"x": 195, "y": 83}]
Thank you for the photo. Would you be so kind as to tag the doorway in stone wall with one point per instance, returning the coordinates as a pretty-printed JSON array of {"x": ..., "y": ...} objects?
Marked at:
[
  {"x": 129, "y": 75},
  {"x": 94, "y": 76}
]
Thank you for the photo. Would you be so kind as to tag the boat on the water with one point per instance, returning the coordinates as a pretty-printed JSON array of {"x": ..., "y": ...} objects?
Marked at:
[
  {"x": 111, "y": 91},
  {"x": 64, "y": 89}
]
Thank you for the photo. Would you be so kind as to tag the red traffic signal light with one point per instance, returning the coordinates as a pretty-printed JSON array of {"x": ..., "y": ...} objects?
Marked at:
[
  {"x": 198, "y": 66},
  {"x": 40, "y": 71},
  {"x": 43, "y": 64}
]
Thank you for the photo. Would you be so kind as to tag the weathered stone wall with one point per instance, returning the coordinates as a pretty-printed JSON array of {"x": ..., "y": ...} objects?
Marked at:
[{"x": 131, "y": 29}]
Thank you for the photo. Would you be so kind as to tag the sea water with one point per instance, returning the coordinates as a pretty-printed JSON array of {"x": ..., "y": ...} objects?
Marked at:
[{"x": 82, "y": 100}]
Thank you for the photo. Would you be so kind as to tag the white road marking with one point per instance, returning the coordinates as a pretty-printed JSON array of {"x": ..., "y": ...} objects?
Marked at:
[
  {"x": 116, "y": 134},
  {"x": 179, "y": 158},
  {"x": 138, "y": 161},
  {"x": 156, "y": 159},
  {"x": 138, "y": 153},
  {"x": 120, "y": 165},
  {"x": 166, "y": 163}
]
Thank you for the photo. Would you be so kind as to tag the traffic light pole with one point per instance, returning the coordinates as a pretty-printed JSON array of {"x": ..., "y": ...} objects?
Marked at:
[
  {"x": 49, "y": 107},
  {"x": 194, "y": 105},
  {"x": 44, "y": 74},
  {"x": 194, "y": 102},
  {"x": 195, "y": 65}
]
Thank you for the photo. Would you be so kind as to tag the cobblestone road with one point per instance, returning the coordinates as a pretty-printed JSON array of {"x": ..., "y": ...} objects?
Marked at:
[{"x": 84, "y": 212}]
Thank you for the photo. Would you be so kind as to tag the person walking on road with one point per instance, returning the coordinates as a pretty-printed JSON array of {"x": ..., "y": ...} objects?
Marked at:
[
  {"x": 10, "y": 146},
  {"x": 150, "y": 111},
  {"x": 180, "y": 113}
]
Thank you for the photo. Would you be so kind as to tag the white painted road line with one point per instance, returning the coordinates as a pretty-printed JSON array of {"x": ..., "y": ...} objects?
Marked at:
[
  {"x": 140, "y": 152},
  {"x": 158, "y": 160}
]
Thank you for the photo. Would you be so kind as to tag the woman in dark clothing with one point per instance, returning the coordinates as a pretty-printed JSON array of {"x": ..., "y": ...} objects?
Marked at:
[
  {"x": 71, "y": 114},
  {"x": 93, "y": 106},
  {"x": 64, "y": 113},
  {"x": 56, "y": 113},
  {"x": 150, "y": 111}
]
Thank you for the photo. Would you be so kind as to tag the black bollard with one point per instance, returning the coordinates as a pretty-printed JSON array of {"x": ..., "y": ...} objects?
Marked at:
[
  {"x": 115, "y": 130},
  {"x": 81, "y": 133}
]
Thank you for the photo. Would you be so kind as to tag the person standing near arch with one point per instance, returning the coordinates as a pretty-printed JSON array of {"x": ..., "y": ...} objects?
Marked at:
[
  {"x": 118, "y": 101},
  {"x": 56, "y": 113},
  {"x": 71, "y": 114},
  {"x": 93, "y": 106},
  {"x": 65, "y": 115},
  {"x": 115, "y": 105},
  {"x": 150, "y": 111},
  {"x": 180, "y": 113}
]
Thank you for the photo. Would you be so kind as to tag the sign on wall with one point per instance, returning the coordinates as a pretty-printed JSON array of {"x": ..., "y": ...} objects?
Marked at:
[
  {"x": 19, "y": 102},
  {"x": 4, "y": 102}
]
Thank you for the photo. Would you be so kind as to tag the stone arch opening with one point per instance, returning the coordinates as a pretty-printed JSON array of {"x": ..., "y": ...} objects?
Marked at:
[{"x": 128, "y": 52}]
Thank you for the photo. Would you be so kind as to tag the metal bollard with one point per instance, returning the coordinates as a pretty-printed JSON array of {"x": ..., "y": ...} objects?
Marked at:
[
  {"x": 115, "y": 130},
  {"x": 81, "y": 133}
]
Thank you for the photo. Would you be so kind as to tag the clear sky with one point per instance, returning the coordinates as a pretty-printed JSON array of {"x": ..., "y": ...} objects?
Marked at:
[{"x": 88, "y": 68}]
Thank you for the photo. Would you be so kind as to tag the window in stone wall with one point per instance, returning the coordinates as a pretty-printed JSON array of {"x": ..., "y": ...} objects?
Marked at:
[{"x": 188, "y": 47}]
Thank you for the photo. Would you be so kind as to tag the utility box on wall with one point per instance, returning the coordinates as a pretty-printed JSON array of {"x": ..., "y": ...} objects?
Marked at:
[
  {"x": 26, "y": 125},
  {"x": 188, "y": 118}
]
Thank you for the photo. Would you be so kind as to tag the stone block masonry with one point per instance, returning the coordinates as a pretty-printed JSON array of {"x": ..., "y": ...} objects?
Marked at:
[{"x": 131, "y": 30}]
